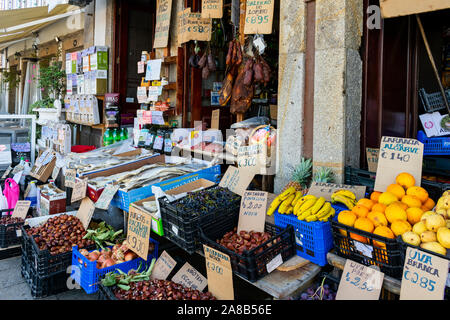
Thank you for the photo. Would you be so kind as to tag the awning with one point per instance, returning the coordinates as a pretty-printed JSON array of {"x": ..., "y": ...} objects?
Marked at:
[
  {"x": 20, "y": 23},
  {"x": 396, "y": 8}
]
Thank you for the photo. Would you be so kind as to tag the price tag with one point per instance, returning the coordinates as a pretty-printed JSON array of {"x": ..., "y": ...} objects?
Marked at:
[
  {"x": 359, "y": 282},
  {"x": 372, "y": 158},
  {"x": 162, "y": 28},
  {"x": 259, "y": 17},
  {"x": 175, "y": 229},
  {"x": 163, "y": 266},
  {"x": 219, "y": 273},
  {"x": 252, "y": 215},
  {"x": 424, "y": 276},
  {"x": 253, "y": 158},
  {"x": 79, "y": 190},
  {"x": 237, "y": 180},
  {"x": 55, "y": 172},
  {"x": 191, "y": 278},
  {"x": 275, "y": 263},
  {"x": 141, "y": 67},
  {"x": 106, "y": 197},
  {"x": 215, "y": 116},
  {"x": 138, "y": 232},
  {"x": 85, "y": 212},
  {"x": 363, "y": 248},
  {"x": 321, "y": 189},
  {"x": 398, "y": 155},
  {"x": 21, "y": 209},
  {"x": 212, "y": 9},
  {"x": 70, "y": 176},
  {"x": 18, "y": 233},
  {"x": 7, "y": 172}
]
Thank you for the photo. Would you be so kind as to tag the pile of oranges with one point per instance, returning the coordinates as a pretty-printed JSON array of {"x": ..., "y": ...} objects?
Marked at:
[{"x": 388, "y": 214}]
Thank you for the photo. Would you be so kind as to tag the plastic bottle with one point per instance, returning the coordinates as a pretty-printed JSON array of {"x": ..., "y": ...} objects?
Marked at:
[
  {"x": 107, "y": 137},
  {"x": 115, "y": 136},
  {"x": 26, "y": 171},
  {"x": 32, "y": 195},
  {"x": 168, "y": 142}
]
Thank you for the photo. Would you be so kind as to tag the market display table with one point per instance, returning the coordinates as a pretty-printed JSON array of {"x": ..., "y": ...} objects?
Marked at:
[{"x": 390, "y": 284}]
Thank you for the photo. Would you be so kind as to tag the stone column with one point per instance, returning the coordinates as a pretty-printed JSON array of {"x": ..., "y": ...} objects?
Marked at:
[
  {"x": 291, "y": 73},
  {"x": 337, "y": 84}
]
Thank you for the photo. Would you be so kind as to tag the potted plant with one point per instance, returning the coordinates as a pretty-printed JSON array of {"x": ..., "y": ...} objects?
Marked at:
[{"x": 52, "y": 84}]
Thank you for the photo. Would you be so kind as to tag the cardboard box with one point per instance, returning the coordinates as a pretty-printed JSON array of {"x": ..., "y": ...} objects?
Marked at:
[
  {"x": 51, "y": 203},
  {"x": 43, "y": 172},
  {"x": 98, "y": 58},
  {"x": 98, "y": 81},
  {"x": 156, "y": 220}
]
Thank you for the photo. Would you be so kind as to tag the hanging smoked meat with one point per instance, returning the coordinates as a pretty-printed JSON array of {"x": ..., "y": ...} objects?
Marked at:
[{"x": 242, "y": 95}]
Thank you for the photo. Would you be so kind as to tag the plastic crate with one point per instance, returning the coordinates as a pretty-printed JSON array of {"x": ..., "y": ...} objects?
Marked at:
[
  {"x": 182, "y": 226},
  {"x": 251, "y": 265},
  {"x": 434, "y": 146},
  {"x": 42, "y": 287},
  {"x": 105, "y": 293},
  {"x": 313, "y": 239},
  {"x": 10, "y": 234},
  {"x": 42, "y": 261},
  {"x": 361, "y": 177},
  {"x": 389, "y": 260},
  {"x": 87, "y": 275},
  {"x": 433, "y": 101}
]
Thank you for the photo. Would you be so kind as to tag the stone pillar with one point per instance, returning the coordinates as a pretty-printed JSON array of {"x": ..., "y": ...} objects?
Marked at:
[
  {"x": 337, "y": 84},
  {"x": 291, "y": 74}
]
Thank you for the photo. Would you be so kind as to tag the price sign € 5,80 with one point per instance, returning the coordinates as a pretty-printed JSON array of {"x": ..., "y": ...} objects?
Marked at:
[{"x": 138, "y": 235}]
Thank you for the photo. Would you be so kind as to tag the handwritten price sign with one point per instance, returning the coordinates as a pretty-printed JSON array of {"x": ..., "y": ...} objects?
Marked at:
[
  {"x": 220, "y": 276},
  {"x": 359, "y": 282},
  {"x": 138, "y": 232},
  {"x": 259, "y": 17},
  {"x": 252, "y": 216}
]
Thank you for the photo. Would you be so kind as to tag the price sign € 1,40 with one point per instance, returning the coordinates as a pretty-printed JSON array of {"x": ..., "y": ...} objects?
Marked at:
[{"x": 138, "y": 235}]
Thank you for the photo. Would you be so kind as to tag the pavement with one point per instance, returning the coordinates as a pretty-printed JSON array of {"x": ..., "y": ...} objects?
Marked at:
[{"x": 14, "y": 287}]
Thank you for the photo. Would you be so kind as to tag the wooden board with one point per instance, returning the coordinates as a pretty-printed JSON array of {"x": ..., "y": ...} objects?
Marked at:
[
  {"x": 293, "y": 263},
  {"x": 395, "y": 8}
]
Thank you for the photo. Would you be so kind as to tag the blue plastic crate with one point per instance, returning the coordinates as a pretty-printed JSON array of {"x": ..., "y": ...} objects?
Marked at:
[
  {"x": 435, "y": 146},
  {"x": 87, "y": 275},
  {"x": 313, "y": 239}
]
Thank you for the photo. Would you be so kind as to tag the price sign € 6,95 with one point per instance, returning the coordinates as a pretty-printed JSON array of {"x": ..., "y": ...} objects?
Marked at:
[{"x": 138, "y": 235}]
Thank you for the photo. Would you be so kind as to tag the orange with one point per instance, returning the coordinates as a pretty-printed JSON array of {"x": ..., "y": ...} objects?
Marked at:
[
  {"x": 406, "y": 180},
  {"x": 395, "y": 212},
  {"x": 387, "y": 198},
  {"x": 384, "y": 232},
  {"x": 401, "y": 204},
  {"x": 375, "y": 195},
  {"x": 377, "y": 218},
  {"x": 379, "y": 207},
  {"x": 366, "y": 203},
  {"x": 399, "y": 227},
  {"x": 397, "y": 190},
  {"x": 362, "y": 224},
  {"x": 429, "y": 204},
  {"x": 348, "y": 218},
  {"x": 412, "y": 201},
  {"x": 414, "y": 215},
  {"x": 360, "y": 211},
  {"x": 424, "y": 208},
  {"x": 419, "y": 192}
]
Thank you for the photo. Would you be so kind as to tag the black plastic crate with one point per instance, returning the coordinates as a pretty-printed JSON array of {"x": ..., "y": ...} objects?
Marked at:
[
  {"x": 105, "y": 293},
  {"x": 252, "y": 265},
  {"x": 9, "y": 235},
  {"x": 42, "y": 287},
  {"x": 432, "y": 102},
  {"x": 42, "y": 261},
  {"x": 388, "y": 259},
  {"x": 354, "y": 176},
  {"x": 182, "y": 226}
]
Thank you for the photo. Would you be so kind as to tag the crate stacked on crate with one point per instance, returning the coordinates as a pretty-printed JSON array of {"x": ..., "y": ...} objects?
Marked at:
[
  {"x": 313, "y": 239},
  {"x": 86, "y": 273},
  {"x": 250, "y": 264},
  {"x": 47, "y": 272},
  {"x": 182, "y": 218},
  {"x": 432, "y": 102},
  {"x": 10, "y": 234}
]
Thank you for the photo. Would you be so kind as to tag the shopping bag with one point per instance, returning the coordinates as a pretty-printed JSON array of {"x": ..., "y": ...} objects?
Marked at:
[
  {"x": 11, "y": 192},
  {"x": 3, "y": 201}
]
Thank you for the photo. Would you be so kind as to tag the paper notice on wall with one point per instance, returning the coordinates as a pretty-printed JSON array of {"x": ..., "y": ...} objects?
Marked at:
[
  {"x": 163, "y": 13},
  {"x": 142, "y": 94},
  {"x": 259, "y": 17},
  {"x": 212, "y": 9},
  {"x": 182, "y": 25},
  {"x": 153, "y": 71}
]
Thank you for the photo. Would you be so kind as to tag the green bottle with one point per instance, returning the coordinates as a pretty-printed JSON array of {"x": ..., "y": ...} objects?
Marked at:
[
  {"x": 115, "y": 136},
  {"x": 107, "y": 137},
  {"x": 123, "y": 134}
]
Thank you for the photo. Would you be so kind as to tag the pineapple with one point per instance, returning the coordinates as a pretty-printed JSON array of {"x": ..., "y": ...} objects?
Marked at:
[
  {"x": 323, "y": 174},
  {"x": 300, "y": 175}
]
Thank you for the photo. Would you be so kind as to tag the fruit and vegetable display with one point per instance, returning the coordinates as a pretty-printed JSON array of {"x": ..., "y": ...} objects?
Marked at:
[
  {"x": 136, "y": 285},
  {"x": 405, "y": 210},
  {"x": 60, "y": 234},
  {"x": 104, "y": 234},
  {"x": 244, "y": 240},
  {"x": 10, "y": 220},
  {"x": 207, "y": 200},
  {"x": 307, "y": 208}
]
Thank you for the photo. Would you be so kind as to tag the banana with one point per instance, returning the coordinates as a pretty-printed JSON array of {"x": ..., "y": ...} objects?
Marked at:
[
  {"x": 324, "y": 211},
  {"x": 309, "y": 197},
  {"x": 298, "y": 196},
  {"x": 305, "y": 214},
  {"x": 349, "y": 203},
  {"x": 274, "y": 205},
  {"x": 307, "y": 205},
  {"x": 311, "y": 218},
  {"x": 318, "y": 205},
  {"x": 287, "y": 193},
  {"x": 346, "y": 193},
  {"x": 290, "y": 210},
  {"x": 286, "y": 203},
  {"x": 300, "y": 202},
  {"x": 329, "y": 215}
]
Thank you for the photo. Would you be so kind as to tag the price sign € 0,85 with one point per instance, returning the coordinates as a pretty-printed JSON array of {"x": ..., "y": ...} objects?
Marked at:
[
  {"x": 359, "y": 282},
  {"x": 424, "y": 276},
  {"x": 138, "y": 235}
]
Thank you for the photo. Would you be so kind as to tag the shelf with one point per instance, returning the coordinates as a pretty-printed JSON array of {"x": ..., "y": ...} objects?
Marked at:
[
  {"x": 170, "y": 60},
  {"x": 170, "y": 86}
]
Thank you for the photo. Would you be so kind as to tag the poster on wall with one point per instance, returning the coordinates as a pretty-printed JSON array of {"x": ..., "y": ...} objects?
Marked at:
[{"x": 164, "y": 9}]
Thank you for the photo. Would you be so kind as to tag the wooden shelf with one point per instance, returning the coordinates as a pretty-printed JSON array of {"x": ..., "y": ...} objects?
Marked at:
[
  {"x": 170, "y": 86},
  {"x": 170, "y": 60}
]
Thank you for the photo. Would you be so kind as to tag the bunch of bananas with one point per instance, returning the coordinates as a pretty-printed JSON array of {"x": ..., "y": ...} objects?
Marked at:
[
  {"x": 345, "y": 197},
  {"x": 308, "y": 208}
]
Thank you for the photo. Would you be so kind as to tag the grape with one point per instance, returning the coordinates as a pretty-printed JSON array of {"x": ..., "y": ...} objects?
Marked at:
[
  {"x": 326, "y": 291},
  {"x": 326, "y": 286},
  {"x": 304, "y": 296},
  {"x": 310, "y": 291}
]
